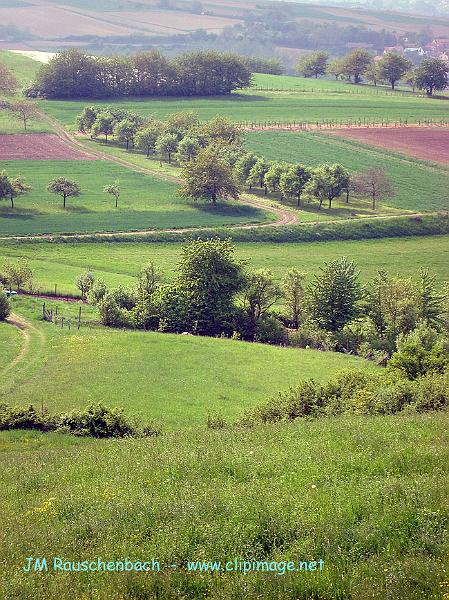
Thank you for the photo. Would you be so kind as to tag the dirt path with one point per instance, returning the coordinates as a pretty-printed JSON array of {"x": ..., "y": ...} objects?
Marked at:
[
  {"x": 285, "y": 215},
  {"x": 30, "y": 334},
  {"x": 22, "y": 326}
]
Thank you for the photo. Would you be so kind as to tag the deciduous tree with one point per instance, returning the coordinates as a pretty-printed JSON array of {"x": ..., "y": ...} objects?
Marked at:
[
  {"x": 373, "y": 184},
  {"x": 313, "y": 64},
  {"x": 146, "y": 137},
  {"x": 392, "y": 67},
  {"x": 104, "y": 124},
  {"x": 64, "y": 187},
  {"x": 334, "y": 293},
  {"x": 355, "y": 64},
  {"x": 328, "y": 182},
  {"x": 294, "y": 180},
  {"x": 432, "y": 74},
  {"x": 208, "y": 177},
  {"x": 114, "y": 190},
  {"x": 293, "y": 288},
  {"x": 167, "y": 144}
]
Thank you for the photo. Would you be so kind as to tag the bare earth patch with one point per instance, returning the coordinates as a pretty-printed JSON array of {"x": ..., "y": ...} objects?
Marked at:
[
  {"x": 424, "y": 143},
  {"x": 38, "y": 146}
]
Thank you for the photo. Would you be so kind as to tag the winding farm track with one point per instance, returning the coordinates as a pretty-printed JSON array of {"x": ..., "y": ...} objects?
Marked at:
[
  {"x": 33, "y": 344},
  {"x": 285, "y": 216}
]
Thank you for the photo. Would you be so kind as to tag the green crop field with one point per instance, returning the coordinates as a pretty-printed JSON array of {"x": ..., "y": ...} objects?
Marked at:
[
  {"x": 118, "y": 263},
  {"x": 174, "y": 379},
  {"x": 367, "y": 495},
  {"x": 145, "y": 202},
  {"x": 259, "y": 106},
  {"x": 301, "y": 100},
  {"x": 419, "y": 185}
]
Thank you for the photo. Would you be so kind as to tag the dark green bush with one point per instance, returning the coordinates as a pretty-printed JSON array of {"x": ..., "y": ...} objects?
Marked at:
[
  {"x": 431, "y": 392},
  {"x": 354, "y": 392},
  {"x": 5, "y": 307},
  {"x": 14, "y": 417},
  {"x": 310, "y": 335},
  {"x": 269, "y": 330},
  {"x": 97, "y": 420}
]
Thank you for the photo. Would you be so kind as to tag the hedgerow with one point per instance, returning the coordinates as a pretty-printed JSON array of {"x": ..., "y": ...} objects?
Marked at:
[
  {"x": 355, "y": 392},
  {"x": 358, "y": 229},
  {"x": 96, "y": 420}
]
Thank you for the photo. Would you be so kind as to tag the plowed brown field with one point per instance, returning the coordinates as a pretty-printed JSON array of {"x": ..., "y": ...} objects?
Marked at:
[
  {"x": 424, "y": 143},
  {"x": 38, "y": 146}
]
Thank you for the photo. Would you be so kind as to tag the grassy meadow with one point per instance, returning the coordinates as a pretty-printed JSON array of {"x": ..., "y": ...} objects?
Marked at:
[
  {"x": 278, "y": 98},
  {"x": 118, "y": 263},
  {"x": 419, "y": 185},
  {"x": 253, "y": 105},
  {"x": 367, "y": 495},
  {"x": 24, "y": 69},
  {"x": 176, "y": 380},
  {"x": 146, "y": 202}
]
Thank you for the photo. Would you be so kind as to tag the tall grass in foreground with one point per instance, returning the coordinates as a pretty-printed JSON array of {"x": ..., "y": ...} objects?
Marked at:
[{"x": 368, "y": 495}]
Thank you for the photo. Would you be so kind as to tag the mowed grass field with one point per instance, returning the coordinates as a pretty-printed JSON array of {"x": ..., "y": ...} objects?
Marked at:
[
  {"x": 419, "y": 185},
  {"x": 118, "y": 263},
  {"x": 146, "y": 202},
  {"x": 11, "y": 343},
  {"x": 176, "y": 380},
  {"x": 367, "y": 495}
]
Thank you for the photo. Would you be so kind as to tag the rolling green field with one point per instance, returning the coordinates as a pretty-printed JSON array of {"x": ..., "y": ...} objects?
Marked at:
[
  {"x": 118, "y": 263},
  {"x": 367, "y": 495},
  {"x": 300, "y": 100},
  {"x": 174, "y": 379},
  {"x": 145, "y": 202},
  {"x": 419, "y": 185},
  {"x": 256, "y": 106},
  {"x": 24, "y": 69}
]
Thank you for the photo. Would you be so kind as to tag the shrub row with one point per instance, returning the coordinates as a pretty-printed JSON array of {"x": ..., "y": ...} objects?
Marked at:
[
  {"x": 355, "y": 392},
  {"x": 96, "y": 420},
  {"x": 360, "y": 229}
]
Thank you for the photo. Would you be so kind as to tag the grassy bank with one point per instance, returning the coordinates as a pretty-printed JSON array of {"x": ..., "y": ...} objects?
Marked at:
[
  {"x": 174, "y": 379},
  {"x": 367, "y": 495},
  {"x": 118, "y": 263}
]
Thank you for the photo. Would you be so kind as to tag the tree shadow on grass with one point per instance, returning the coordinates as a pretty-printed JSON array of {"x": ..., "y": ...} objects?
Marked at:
[
  {"x": 228, "y": 209},
  {"x": 73, "y": 208},
  {"x": 19, "y": 214}
]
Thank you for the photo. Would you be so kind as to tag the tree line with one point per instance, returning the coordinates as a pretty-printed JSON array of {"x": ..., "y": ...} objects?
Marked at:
[
  {"x": 75, "y": 74},
  {"x": 216, "y": 294},
  {"x": 430, "y": 75},
  {"x": 215, "y": 164}
]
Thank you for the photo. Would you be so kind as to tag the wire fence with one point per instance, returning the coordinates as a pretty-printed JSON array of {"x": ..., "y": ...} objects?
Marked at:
[
  {"x": 53, "y": 315},
  {"x": 373, "y": 91},
  {"x": 342, "y": 123}
]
